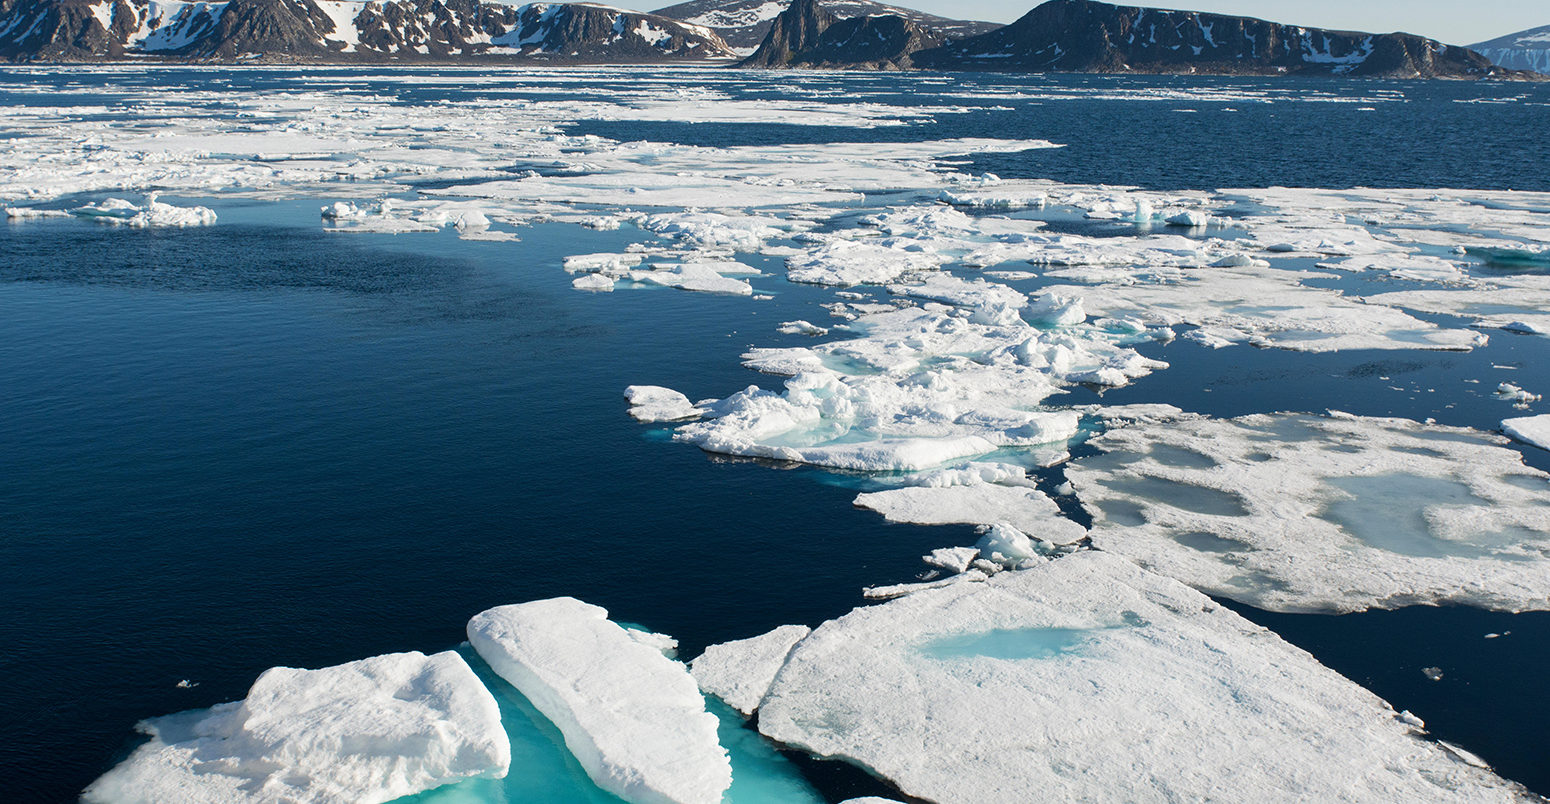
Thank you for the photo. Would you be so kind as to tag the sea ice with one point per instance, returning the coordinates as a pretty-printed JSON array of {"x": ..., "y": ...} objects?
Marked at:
[
  {"x": 366, "y": 731},
  {"x": 977, "y": 503},
  {"x": 1324, "y": 513},
  {"x": 653, "y": 403},
  {"x": 705, "y": 277},
  {"x": 801, "y": 327},
  {"x": 1088, "y": 678},
  {"x": 1530, "y": 429},
  {"x": 151, "y": 213},
  {"x": 740, "y": 672},
  {"x": 634, "y": 718},
  {"x": 601, "y": 282}
]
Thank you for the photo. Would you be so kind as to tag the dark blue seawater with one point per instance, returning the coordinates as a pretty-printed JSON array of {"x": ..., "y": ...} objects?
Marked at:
[{"x": 259, "y": 444}]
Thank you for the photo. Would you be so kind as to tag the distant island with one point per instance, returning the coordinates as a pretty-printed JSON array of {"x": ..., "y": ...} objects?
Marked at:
[{"x": 1078, "y": 36}]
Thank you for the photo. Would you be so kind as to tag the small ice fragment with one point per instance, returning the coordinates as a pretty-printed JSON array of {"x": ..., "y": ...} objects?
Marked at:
[
  {"x": 1007, "y": 546},
  {"x": 1192, "y": 218},
  {"x": 653, "y": 403},
  {"x": 1492, "y": 636},
  {"x": 185, "y": 684},
  {"x": 1408, "y": 718},
  {"x": 593, "y": 282},
  {"x": 800, "y": 327},
  {"x": 955, "y": 559},
  {"x": 1432, "y": 673}
]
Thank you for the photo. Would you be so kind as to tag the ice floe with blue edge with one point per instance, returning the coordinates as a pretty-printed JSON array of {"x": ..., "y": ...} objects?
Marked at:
[
  {"x": 1336, "y": 513},
  {"x": 1088, "y": 678},
  {"x": 1530, "y": 429},
  {"x": 632, "y": 717},
  {"x": 363, "y": 732}
]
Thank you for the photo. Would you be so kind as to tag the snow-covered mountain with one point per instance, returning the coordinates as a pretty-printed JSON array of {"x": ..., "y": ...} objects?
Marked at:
[
  {"x": 1086, "y": 36},
  {"x": 345, "y": 30},
  {"x": 1525, "y": 50},
  {"x": 744, "y": 23},
  {"x": 808, "y": 35}
]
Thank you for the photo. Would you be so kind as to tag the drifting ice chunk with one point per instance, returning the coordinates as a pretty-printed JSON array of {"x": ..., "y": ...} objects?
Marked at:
[
  {"x": 800, "y": 327},
  {"x": 1311, "y": 513},
  {"x": 1087, "y": 678},
  {"x": 976, "y": 504},
  {"x": 1521, "y": 399},
  {"x": 632, "y": 717},
  {"x": 153, "y": 213},
  {"x": 593, "y": 282},
  {"x": 702, "y": 277},
  {"x": 740, "y": 672},
  {"x": 1530, "y": 430},
  {"x": 1054, "y": 310},
  {"x": 1192, "y": 218},
  {"x": 366, "y": 731},
  {"x": 1007, "y": 546},
  {"x": 653, "y": 403}
]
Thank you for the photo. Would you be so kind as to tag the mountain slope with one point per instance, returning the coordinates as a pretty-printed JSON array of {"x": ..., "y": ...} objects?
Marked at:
[
  {"x": 344, "y": 31},
  {"x": 810, "y": 36},
  {"x": 1525, "y": 50},
  {"x": 1086, "y": 36},
  {"x": 745, "y": 23}
]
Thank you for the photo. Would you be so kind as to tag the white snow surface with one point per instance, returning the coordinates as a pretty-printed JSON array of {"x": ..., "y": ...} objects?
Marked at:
[
  {"x": 152, "y": 213},
  {"x": 653, "y": 403},
  {"x": 632, "y": 717},
  {"x": 363, "y": 732},
  {"x": 1334, "y": 513},
  {"x": 740, "y": 672},
  {"x": 1530, "y": 429},
  {"x": 1087, "y": 678}
]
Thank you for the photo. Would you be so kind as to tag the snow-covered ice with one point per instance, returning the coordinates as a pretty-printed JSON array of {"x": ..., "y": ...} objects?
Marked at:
[
  {"x": 1324, "y": 513},
  {"x": 1088, "y": 678},
  {"x": 740, "y": 672},
  {"x": 149, "y": 214},
  {"x": 632, "y": 717},
  {"x": 653, "y": 403},
  {"x": 1530, "y": 429},
  {"x": 363, "y": 732}
]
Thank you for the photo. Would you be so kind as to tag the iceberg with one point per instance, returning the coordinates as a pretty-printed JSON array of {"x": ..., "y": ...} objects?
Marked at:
[
  {"x": 365, "y": 732},
  {"x": 634, "y": 718},
  {"x": 1087, "y": 678},
  {"x": 1332, "y": 513}
]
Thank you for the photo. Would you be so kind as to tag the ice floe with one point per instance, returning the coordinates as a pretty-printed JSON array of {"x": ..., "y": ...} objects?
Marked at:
[
  {"x": 632, "y": 717},
  {"x": 1330, "y": 513},
  {"x": 151, "y": 213},
  {"x": 653, "y": 403},
  {"x": 366, "y": 731},
  {"x": 1530, "y": 429},
  {"x": 740, "y": 672},
  {"x": 1088, "y": 678}
]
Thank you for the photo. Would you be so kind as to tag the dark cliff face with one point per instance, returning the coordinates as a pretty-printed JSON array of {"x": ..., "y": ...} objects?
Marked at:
[
  {"x": 1085, "y": 36},
  {"x": 745, "y": 23},
  {"x": 301, "y": 30},
  {"x": 806, "y": 35},
  {"x": 54, "y": 30}
]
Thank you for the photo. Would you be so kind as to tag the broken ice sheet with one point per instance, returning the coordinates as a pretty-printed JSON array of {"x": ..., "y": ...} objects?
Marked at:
[
  {"x": 1087, "y": 678},
  {"x": 1324, "y": 513}
]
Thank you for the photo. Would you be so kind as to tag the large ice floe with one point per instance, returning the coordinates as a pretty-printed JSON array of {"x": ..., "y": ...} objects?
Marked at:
[
  {"x": 358, "y": 733},
  {"x": 1087, "y": 678},
  {"x": 632, "y": 717},
  {"x": 922, "y": 386},
  {"x": 1324, "y": 513}
]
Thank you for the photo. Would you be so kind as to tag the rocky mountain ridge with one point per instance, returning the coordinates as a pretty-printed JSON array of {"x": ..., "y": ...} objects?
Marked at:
[
  {"x": 1524, "y": 50},
  {"x": 745, "y": 23},
  {"x": 345, "y": 31}
]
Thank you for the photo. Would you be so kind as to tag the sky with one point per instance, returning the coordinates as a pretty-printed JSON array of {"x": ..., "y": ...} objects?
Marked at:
[{"x": 1457, "y": 22}]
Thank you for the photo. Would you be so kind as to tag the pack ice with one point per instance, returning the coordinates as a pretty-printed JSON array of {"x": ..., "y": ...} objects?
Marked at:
[
  {"x": 363, "y": 732},
  {"x": 632, "y": 717},
  {"x": 1087, "y": 678},
  {"x": 923, "y": 386},
  {"x": 1329, "y": 513}
]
